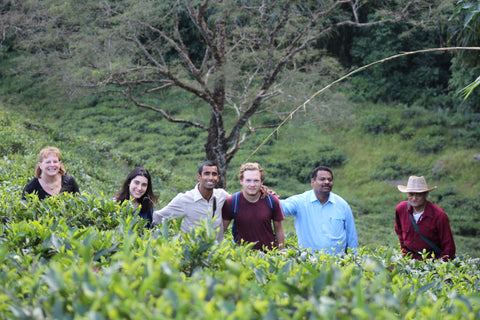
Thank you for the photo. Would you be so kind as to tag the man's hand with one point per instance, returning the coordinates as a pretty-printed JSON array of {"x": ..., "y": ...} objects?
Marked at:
[{"x": 265, "y": 191}]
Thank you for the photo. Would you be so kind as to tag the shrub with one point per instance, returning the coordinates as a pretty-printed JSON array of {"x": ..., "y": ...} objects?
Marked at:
[
  {"x": 380, "y": 123},
  {"x": 301, "y": 165},
  {"x": 469, "y": 136},
  {"x": 390, "y": 169},
  {"x": 407, "y": 133},
  {"x": 429, "y": 144}
]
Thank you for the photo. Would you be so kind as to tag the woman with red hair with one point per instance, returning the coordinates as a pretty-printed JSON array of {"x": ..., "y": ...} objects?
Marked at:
[{"x": 50, "y": 176}]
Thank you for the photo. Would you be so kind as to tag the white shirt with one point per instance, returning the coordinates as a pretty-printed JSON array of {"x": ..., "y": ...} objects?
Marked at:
[
  {"x": 194, "y": 208},
  {"x": 417, "y": 216}
]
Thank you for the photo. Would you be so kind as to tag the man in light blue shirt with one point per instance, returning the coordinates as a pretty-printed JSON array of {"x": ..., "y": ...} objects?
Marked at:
[{"x": 323, "y": 220}]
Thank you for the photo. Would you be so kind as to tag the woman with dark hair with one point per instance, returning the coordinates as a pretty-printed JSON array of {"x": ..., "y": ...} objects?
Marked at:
[
  {"x": 50, "y": 176},
  {"x": 137, "y": 187}
]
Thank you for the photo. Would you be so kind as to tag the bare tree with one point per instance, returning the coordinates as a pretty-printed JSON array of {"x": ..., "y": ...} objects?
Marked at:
[{"x": 231, "y": 54}]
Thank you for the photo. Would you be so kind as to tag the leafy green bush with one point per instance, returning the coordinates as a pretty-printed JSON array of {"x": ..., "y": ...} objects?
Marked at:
[
  {"x": 53, "y": 270},
  {"x": 392, "y": 80},
  {"x": 429, "y": 144},
  {"x": 468, "y": 136},
  {"x": 462, "y": 211},
  {"x": 380, "y": 123},
  {"x": 390, "y": 169},
  {"x": 12, "y": 140},
  {"x": 407, "y": 133},
  {"x": 301, "y": 165}
]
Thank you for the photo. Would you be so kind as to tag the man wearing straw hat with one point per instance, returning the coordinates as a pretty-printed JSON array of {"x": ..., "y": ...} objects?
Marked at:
[{"x": 422, "y": 225}]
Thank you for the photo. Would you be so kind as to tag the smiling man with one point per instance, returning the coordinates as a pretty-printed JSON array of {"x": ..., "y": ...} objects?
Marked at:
[
  {"x": 323, "y": 220},
  {"x": 253, "y": 214},
  {"x": 202, "y": 202},
  {"x": 421, "y": 225}
]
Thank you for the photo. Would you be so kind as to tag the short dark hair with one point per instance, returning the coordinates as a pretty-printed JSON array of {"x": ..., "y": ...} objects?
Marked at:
[
  {"x": 208, "y": 163},
  {"x": 321, "y": 168}
]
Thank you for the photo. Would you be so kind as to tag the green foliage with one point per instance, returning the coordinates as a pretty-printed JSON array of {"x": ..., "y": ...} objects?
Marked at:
[
  {"x": 88, "y": 257},
  {"x": 53, "y": 270},
  {"x": 464, "y": 31},
  {"x": 450, "y": 201},
  {"x": 412, "y": 79},
  {"x": 300, "y": 165},
  {"x": 429, "y": 144},
  {"x": 391, "y": 169},
  {"x": 381, "y": 123}
]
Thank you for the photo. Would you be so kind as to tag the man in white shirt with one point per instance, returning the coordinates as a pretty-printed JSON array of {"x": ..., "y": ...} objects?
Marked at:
[{"x": 202, "y": 202}]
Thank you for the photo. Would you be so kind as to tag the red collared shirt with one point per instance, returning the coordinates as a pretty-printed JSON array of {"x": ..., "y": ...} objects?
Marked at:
[{"x": 433, "y": 224}]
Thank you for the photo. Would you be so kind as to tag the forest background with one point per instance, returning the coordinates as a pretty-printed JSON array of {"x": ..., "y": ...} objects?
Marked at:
[
  {"x": 235, "y": 81},
  {"x": 399, "y": 118}
]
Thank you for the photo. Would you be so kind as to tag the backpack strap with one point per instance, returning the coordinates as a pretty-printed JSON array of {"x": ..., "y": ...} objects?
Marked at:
[
  {"x": 270, "y": 203},
  {"x": 235, "y": 201}
]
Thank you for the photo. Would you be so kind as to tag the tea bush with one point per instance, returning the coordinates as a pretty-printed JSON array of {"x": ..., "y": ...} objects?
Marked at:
[
  {"x": 79, "y": 257},
  {"x": 53, "y": 267},
  {"x": 391, "y": 169},
  {"x": 300, "y": 165},
  {"x": 429, "y": 144},
  {"x": 381, "y": 123}
]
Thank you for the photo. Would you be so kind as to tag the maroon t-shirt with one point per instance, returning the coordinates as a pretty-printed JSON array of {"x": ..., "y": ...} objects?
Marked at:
[{"x": 254, "y": 220}]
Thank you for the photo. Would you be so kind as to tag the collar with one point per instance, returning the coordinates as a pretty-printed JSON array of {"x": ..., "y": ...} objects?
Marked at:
[
  {"x": 314, "y": 198},
  {"x": 197, "y": 196},
  {"x": 426, "y": 211}
]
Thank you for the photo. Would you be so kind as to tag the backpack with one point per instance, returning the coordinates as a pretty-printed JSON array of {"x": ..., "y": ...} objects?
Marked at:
[{"x": 235, "y": 202}]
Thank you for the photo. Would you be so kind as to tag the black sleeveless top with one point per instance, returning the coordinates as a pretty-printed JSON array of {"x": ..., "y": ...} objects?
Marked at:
[{"x": 33, "y": 186}]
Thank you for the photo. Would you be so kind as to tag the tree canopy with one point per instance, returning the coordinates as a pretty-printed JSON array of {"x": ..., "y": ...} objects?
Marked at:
[{"x": 236, "y": 57}]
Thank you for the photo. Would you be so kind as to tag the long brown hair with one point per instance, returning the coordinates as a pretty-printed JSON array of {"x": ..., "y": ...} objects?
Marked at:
[{"x": 148, "y": 198}]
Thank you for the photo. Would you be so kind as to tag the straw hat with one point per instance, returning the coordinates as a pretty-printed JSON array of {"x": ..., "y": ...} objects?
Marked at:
[{"x": 416, "y": 185}]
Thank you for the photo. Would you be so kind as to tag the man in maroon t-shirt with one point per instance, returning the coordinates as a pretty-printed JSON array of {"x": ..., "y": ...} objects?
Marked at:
[{"x": 253, "y": 219}]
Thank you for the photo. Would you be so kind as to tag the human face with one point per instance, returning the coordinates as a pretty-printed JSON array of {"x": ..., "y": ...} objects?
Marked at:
[
  {"x": 323, "y": 183},
  {"x": 50, "y": 165},
  {"x": 251, "y": 182},
  {"x": 417, "y": 200},
  {"x": 209, "y": 177},
  {"x": 138, "y": 187}
]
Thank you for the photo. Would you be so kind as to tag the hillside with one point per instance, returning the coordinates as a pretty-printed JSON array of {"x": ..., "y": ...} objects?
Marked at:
[
  {"x": 371, "y": 148},
  {"x": 88, "y": 257}
]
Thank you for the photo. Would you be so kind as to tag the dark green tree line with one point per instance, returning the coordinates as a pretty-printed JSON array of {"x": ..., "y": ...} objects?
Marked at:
[
  {"x": 238, "y": 58},
  {"x": 465, "y": 31}
]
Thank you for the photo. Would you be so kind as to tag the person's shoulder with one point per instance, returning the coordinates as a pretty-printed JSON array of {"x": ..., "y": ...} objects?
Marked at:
[
  {"x": 68, "y": 178},
  {"x": 32, "y": 181},
  {"x": 192, "y": 194},
  {"x": 32, "y": 184},
  {"x": 229, "y": 198},
  {"x": 402, "y": 204},
  {"x": 303, "y": 195},
  {"x": 275, "y": 198},
  {"x": 221, "y": 192},
  {"x": 436, "y": 208},
  {"x": 338, "y": 198}
]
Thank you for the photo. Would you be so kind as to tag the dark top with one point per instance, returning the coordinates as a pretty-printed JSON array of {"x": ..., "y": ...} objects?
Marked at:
[
  {"x": 254, "y": 220},
  {"x": 33, "y": 186},
  {"x": 147, "y": 215},
  {"x": 433, "y": 224}
]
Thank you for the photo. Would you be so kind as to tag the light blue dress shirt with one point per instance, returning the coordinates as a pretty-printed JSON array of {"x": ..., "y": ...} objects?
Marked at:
[{"x": 329, "y": 227}]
